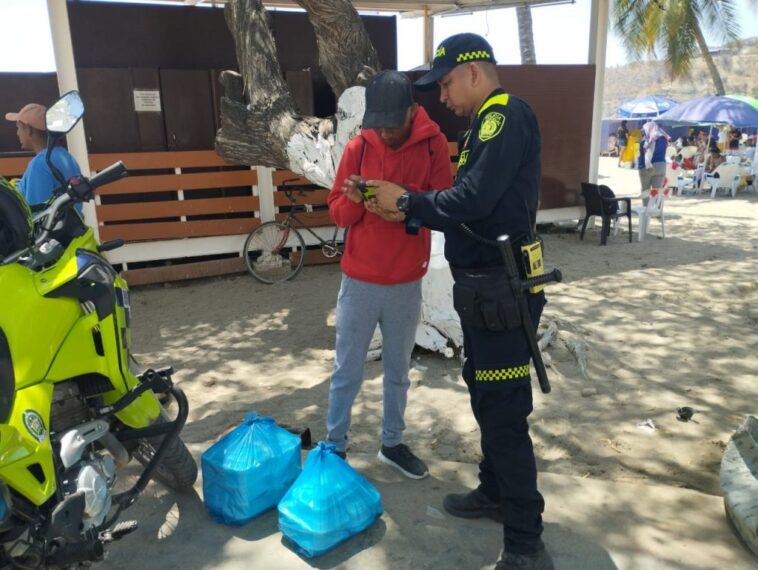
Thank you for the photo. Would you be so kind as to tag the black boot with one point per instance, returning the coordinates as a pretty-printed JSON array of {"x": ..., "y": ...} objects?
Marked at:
[
  {"x": 473, "y": 505},
  {"x": 539, "y": 560}
]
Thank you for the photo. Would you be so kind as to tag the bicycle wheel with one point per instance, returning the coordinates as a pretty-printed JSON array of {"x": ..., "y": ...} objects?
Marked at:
[{"x": 274, "y": 252}]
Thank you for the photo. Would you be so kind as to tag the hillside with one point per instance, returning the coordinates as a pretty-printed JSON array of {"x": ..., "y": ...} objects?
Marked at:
[{"x": 737, "y": 64}]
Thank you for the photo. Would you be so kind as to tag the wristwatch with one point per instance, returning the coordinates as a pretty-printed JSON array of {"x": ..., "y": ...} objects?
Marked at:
[{"x": 403, "y": 202}]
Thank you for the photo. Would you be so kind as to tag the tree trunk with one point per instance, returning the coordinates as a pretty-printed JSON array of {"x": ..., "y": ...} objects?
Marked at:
[
  {"x": 259, "y": 123},
  {"x": 525, "y": 35},
  {"x": 715, "y": 77},
  {"x": 339, "y": 32}
]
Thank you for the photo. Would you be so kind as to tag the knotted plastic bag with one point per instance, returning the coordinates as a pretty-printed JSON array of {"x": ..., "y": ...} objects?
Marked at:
[
  {"x": 329, "y": 503},
  {"x": 248, "y": 470}
]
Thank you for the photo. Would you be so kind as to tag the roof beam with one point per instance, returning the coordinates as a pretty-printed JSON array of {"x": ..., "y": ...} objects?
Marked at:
[{"x": 419, "y": 8}]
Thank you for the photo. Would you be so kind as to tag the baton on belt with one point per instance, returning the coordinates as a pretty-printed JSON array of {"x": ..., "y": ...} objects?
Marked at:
[{"x": 517, "y": 288}]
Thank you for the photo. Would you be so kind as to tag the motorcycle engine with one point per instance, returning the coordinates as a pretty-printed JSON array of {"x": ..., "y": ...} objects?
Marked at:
[{"x": 94, "y": 476}]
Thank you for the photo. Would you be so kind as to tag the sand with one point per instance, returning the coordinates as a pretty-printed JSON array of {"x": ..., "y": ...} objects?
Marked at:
[{"x": 667, "y": 323}]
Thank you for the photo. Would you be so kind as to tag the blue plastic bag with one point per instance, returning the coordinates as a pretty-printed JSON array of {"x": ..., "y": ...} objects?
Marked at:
[
  {"x": 329, "y": 503},
  {"x": 248, "y": 470}
]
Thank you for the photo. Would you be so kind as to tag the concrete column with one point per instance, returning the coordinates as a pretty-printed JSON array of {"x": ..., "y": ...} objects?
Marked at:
[
  {"x": 66, "y": 68},
  {"x": 266, "y": 190},
  {"x": 428, "y": 36},
  {"x": 597, "y": 47}
]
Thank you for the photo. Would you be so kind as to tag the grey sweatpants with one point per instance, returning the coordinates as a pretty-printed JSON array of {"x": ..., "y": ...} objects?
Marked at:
[{"x": 360, "y": 306}]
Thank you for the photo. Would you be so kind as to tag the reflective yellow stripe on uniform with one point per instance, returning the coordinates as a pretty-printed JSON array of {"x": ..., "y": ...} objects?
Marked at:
[
  {"x": 513, "y": 373},
  {"x": 501, "y": 99}
]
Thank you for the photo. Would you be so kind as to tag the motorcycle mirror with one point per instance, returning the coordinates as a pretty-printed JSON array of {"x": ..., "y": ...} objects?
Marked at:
[{"x": 64, "y": 114}]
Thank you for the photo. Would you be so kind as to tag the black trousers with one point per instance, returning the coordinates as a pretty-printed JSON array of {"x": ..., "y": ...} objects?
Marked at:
[{"x": 508, "y": 472}]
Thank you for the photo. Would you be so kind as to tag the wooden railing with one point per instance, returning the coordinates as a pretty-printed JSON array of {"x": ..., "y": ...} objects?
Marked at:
[
  {"x": 170, "y": 196},
  {"x": 188, "y": 204}
]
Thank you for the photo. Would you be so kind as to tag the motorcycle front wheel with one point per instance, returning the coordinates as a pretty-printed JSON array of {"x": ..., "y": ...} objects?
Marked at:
[{"x": 177, "y": 469}]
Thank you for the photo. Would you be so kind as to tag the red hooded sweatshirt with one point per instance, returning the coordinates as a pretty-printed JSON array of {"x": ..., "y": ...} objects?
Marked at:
[{"x": 378, "y": 251}]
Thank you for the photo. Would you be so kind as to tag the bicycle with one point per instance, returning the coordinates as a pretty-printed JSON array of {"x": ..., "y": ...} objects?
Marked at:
[{"x": 275, "y": 251}]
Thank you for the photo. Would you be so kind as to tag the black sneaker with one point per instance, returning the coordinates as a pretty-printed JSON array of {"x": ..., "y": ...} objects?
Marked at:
[
  {"x": 540, "y": 560},
  {"x": 473, "y": 505},
  {"x": 402, "y": 459}
]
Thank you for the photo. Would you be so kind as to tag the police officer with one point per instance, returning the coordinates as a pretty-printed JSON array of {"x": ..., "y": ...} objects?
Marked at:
[{"x": 495, "y": 193}]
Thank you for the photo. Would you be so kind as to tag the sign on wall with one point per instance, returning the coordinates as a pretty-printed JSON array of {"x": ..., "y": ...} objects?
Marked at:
[{"x": 147, "y": 101}]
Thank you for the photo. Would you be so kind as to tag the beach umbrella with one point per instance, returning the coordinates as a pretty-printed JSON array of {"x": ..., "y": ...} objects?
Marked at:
[
  {"x": 745, "y": 99},
  {"x": 649, "y": 106},
  {"x": 711, "y": 110}
]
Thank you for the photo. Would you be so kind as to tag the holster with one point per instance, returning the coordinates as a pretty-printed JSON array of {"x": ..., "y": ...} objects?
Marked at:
[{"x": 483, "y": 299}]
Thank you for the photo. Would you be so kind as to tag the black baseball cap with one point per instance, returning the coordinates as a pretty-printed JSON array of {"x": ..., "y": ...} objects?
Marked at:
[
  {"x": 457, "y": 49},
  {"x": 389, "y": 95}
]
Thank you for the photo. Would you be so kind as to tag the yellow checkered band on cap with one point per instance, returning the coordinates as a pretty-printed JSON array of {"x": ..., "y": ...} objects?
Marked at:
[
  {"x": 514, "y": 373},
  {"x": 472, "y": 55}
]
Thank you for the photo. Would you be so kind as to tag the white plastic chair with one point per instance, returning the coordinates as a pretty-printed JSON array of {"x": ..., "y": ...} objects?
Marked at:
[
  {"x": 673, "y": 169},
  {"x": 653, "y": 209},
  {"x": 690, "y": 183},
  {"x": 728, "y": 179}
]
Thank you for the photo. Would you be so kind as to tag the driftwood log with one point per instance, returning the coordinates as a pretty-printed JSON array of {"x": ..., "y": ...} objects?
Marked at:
[{"x": 259, "y": 122}]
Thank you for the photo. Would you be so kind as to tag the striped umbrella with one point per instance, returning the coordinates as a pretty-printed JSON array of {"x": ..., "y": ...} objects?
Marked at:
[{"x": 649, "y": 106}]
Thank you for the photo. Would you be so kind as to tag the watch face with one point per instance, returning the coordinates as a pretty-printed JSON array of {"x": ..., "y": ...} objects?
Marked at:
[{"x": 402, "y": 202}]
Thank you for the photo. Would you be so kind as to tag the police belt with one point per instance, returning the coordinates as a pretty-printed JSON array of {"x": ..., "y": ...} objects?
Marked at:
[{"x": 483, "y": 299}]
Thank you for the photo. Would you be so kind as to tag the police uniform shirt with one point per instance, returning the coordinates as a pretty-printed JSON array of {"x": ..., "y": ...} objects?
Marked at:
[{"x": 496, "y": 187}]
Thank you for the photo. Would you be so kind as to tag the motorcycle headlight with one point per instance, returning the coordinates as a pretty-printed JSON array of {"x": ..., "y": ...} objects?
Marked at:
[{"x": 92, "y": 267}]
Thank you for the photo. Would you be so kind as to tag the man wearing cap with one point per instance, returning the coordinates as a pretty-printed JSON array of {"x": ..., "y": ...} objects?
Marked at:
[
  {"x": 38, "y": 182},
  {"x": 382, "y": 265},
  {"x": 495, "y": 193}
]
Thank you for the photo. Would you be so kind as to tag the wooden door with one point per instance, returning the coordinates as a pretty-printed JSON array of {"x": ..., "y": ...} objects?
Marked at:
[{"x": 187, "y": 109}]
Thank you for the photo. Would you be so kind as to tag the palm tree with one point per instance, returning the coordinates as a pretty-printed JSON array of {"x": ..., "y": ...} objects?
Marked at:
[
  {"x": 525, "y": 35},
  {"x": 676, "y": 28}
]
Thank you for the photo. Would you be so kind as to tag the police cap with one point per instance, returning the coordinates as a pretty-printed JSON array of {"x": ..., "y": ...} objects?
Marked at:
[{"x": 457, "y": 49}]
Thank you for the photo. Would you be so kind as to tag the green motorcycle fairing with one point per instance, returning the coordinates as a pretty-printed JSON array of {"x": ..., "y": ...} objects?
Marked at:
[
  {"x": 26, "y": 454},
  {"x": 66, "y": 321}
]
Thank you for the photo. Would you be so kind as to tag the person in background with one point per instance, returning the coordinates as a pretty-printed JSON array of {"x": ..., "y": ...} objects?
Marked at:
[
  {"x": 749, "y": 152},
  {"x": 735, "y": 137},
  {"x": 622, "y": 136},
  {"x": 383, "y": 261},
  {"x": 714, "y": 159},
  {"x": 702, "y": 147},
  {"x": 38, "y": 182},
  {"x": 722, "y": 138},
  {"x": 652, "y": 159}
]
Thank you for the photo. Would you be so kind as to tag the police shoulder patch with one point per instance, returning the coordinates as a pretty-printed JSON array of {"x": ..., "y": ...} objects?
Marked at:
[
  {"x": 35, "y": 425},
  {"x": 491, "y": 126}
]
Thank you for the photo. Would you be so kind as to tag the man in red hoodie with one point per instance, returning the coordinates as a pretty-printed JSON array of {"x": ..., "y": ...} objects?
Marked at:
[{"x": 384, "y": 261}]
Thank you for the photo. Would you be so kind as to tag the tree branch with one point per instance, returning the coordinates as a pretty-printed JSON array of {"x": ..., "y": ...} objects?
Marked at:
[
  {"x": 259, "y": 123},
  {"x": 346, "y": 56}
]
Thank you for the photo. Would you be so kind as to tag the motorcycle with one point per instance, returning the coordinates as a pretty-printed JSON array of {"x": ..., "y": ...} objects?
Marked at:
[{"x": 72, "y": 410}]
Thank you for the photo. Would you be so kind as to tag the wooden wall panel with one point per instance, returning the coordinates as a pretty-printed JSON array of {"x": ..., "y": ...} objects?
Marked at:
[
  {"x": 16, "y": 90},
  {"x": 561, "y": 96},
  {"x": 153, "y": 36},
  {"x": 110, "y": 120},
  {"x": 152, "y": 130},
  {"x": 187, "y": 109}
]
